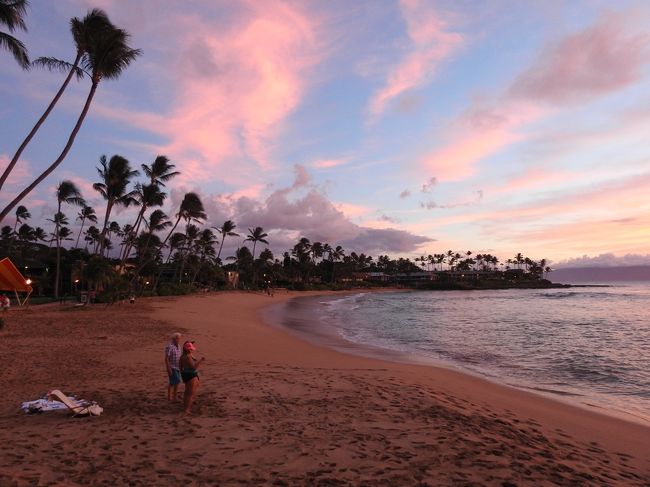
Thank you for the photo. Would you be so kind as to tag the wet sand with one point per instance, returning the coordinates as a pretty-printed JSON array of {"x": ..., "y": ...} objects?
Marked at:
[{"x": 275, "y": 410}]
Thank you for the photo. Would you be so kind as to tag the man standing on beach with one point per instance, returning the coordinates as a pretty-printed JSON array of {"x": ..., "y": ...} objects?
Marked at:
[{"x": 172, "y": 355}]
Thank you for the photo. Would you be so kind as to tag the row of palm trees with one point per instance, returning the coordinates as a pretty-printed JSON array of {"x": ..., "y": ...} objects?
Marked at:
[{"x": 483, "y": 262}]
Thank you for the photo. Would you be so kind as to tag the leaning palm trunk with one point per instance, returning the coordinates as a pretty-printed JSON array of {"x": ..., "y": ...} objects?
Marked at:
[
  {"x": 155, "y": 286},
  {"x": 83, "y": 220},
  {"x": 223, "y": 237},
  {"x": 136, "y": 228},
  {"x": 59, "y": 159},
  {"x": 40, "y": 121}
]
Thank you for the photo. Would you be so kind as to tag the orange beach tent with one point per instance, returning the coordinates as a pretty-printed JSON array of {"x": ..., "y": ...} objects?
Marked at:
[{"x": 12, "y": 280}]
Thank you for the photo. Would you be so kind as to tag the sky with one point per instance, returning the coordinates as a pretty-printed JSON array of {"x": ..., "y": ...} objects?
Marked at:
[{"x": 405, "y": 127}]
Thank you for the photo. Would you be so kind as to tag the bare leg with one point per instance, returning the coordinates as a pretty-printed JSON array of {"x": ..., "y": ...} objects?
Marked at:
[
  {"x": 190, "y": 393},
  {"x": 186, "y": 395}
]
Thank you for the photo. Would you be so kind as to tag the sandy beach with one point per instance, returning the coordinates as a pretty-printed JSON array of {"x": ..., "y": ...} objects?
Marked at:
[{"x": 275, "y": 410}]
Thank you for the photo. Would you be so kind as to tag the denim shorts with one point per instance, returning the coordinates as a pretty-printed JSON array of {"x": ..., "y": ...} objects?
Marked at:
[{"x": 175, "y": 377}]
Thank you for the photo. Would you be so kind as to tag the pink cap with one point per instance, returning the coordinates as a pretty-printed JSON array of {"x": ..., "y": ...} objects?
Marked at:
[{"x": 189, "y": 347}]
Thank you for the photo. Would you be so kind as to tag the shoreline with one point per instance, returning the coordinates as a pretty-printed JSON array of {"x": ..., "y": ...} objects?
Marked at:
[
  {"x": 274, "y": 409},
  {"x": 622, "y": 434},
  {"x": 327, "y": 337}
]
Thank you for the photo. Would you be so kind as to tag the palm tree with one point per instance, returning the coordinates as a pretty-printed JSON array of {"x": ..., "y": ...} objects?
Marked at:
[
  {"x": 92, "y": 237},
  {"x": 39, "y": 235},
  {"x": 146, "y": 195},
  {"x": 115, "y": 177},
  {"x": 68, "y": 193},
  {"x": 256, "y": 235},
  {"x": 11, "y": 16},
  {"x": 226, "y": 230},
  {"x": 335, "y": 255},
  {"x": 82, "y": 32},
  {"x": 158, "y": 221},
  {"x": 114, "y": 229},
  {"x": 191, "y": 209},
  {"x": 317, "y": 251},
  {"x": 22, "y": 214},
  {"x": 205, "y": 248},
  {"x": 160, "y": 171},
  {"x": 86, "y": 213},
  {"x": 108, "y": 55}
]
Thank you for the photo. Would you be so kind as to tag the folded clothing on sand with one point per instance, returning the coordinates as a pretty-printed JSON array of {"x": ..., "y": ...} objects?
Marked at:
[
  {"x": 49, "y": 403},
  {"x": 43, "y": 405}
]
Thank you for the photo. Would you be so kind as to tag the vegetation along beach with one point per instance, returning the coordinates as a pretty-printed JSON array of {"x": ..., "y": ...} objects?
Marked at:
[{"x": 324, "y": 243}]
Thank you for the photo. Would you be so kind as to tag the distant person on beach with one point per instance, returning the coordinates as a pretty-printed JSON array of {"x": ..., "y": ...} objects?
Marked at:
[
  {"x": 190, "y": 375},
  {"x": 5, "y": 303},
  {"x": 172, "y": 357}
]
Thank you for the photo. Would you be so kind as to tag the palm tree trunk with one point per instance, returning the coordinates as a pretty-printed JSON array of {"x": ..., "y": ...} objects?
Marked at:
[
  {"x": 102, "y": 236},
  {"x": 223, "y": 237},
  {"x": 196, "y": 272},
  {"x": 40, "y": 121},
  {"x": 58, "y": 254},
  {"x": 136, "y": 229},
  {"x": 145, "y": 249},
  {"x": 59, "y": 159},
  {"x": 83, "y": 220},
  {"x": 155, "y": 286}
]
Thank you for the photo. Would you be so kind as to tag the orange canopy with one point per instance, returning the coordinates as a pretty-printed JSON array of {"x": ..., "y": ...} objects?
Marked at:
[{"x": 11, "y": 279}]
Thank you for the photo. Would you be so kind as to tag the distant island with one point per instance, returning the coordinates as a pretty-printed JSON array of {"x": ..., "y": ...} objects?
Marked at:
[{"x": 602, "y": 274}]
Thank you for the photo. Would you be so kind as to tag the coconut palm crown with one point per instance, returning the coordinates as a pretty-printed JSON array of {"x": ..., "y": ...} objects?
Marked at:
[{"x": 12, "y": 13}]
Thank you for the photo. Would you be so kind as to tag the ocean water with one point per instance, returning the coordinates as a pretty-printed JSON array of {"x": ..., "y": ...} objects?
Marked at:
[{"x": 587, "y": 344}]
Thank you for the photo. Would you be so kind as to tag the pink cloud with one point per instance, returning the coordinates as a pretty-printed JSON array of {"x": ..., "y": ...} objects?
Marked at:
[
  {"x": 303, "y": 209},
  {"x": 431, "y": 43},
  {"x": 477, "y": 134},
  {"x": 615, "y": 200},
  {"x": 597, "y": 61},
  {"x": 351, "y": 210},
  {"x": 605, "y": 260},
  {"x": 604, "y": 58},
  {"x": 231, "y": 86},
  {"x": 329, "y": 163},
  {"x": 533, "y": 178}
]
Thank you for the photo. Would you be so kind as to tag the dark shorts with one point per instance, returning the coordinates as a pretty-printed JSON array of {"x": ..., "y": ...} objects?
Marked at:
[{"x": 175, "y": 377}]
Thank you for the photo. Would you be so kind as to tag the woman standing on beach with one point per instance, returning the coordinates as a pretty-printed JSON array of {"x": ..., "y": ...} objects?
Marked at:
[{"x": 190, "y": 375}]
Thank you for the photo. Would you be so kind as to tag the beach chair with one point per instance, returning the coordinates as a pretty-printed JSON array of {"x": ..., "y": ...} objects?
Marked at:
[{"x": 78, "y": 408}]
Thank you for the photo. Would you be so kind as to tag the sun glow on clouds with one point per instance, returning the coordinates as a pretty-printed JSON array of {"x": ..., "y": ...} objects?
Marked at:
[
  {"x": 544, "y": 157},
  {"x": 231, "y": 87}
]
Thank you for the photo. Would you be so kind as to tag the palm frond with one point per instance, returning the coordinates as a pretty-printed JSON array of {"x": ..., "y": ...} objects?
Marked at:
[
  {"x": 16, "y": 48},
  {"x": 12, "y": 13},
  {"x": 59, "y": 66}
]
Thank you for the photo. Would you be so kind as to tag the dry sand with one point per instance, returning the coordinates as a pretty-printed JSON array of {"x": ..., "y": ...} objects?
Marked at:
[{"x": 274, "y": 410}]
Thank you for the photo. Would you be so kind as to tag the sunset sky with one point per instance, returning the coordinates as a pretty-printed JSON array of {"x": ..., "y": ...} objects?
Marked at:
[{"x": 402, "y": 127}]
